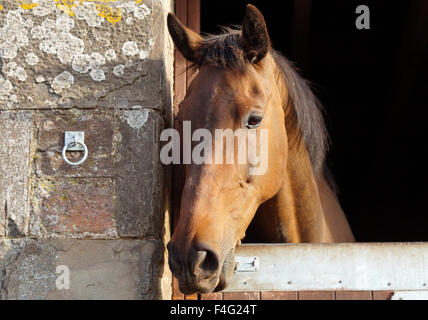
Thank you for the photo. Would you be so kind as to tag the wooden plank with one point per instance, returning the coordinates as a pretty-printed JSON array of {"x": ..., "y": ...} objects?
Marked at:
[
  {"x": 316, "y": 295},
  {"x": 336, "y": 267},
  {"x": 194, "y": 23},
  {"x": 180, "y": 63},
  {"x": 182, "y": 11},
  {"x": 212, "y": 296},
  {"x": 382, "y": 295},
  {"x": 278, "y": 295},
  {"x": 354, "y": 295},
  {"x": 176, "y": 293},
  {"x": 194, "y": 15},
  {"x": 241, "y": 296},
  {"x": 180, "y": 86}
]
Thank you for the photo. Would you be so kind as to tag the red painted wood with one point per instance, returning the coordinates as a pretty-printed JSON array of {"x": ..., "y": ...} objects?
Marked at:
[
  {"x": 212, "y": 296},
  {"x": 241, "y": 296},
  {"x": 353, "y": 295},
  {"x": 183, "y": 10},
  {"x": 382, "y": 295},
  {"x": 176, "y": 293},
  {"x": 180, "y": 83},
  {"x": 194, "y": 23},
  {"x": 316, "y": 295},
  {"x": 278, "y": 295},
  {"x": 180, "y": 63}
]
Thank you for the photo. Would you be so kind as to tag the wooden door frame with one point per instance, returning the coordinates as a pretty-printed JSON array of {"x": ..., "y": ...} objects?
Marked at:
[{"x": 188, "y": 12}]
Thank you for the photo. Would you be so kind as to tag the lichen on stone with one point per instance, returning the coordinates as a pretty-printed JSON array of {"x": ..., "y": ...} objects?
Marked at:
[
  {"x": 130, "y": 48},
  {"x": 31, "y": 59},
  {"x": 119, "y": 70},
  {"x": 62, "y": 81}
]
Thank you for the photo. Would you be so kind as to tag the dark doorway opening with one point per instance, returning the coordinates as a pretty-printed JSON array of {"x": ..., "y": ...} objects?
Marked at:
[{"x": 373, "y": 86}]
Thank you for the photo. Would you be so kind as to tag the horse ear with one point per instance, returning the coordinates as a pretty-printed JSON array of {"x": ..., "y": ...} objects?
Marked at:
[
  {"x": 185, "y": 40},
  {"x": 255, "y": 37}
]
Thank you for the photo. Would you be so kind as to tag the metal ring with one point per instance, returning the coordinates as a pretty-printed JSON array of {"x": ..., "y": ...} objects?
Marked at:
[{"x": 85, "y": 153}]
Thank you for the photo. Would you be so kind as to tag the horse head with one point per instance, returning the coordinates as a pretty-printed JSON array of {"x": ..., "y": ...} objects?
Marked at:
[{"x": 236, "y": 89}]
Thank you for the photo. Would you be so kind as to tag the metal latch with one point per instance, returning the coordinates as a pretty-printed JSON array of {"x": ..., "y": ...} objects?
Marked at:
[
  {"x": 247, "y": 264},
  {"x": 74, "y": 140}
]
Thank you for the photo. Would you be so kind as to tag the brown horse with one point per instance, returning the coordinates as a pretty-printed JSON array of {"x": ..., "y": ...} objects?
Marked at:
[{"x": 243, "y": 83}]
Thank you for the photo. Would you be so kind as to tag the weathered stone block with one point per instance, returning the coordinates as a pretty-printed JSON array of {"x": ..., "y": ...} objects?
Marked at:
[
  {"x": 82, "y": 54},
  {"x": 27, "y": 269},
  {"x": 113, "y": 269},
  {"x": 139, "y": 188},
  {"x": 123, "y": 198},
  {"x": 99, "y": 130},
  {"x": 75, "y": 207},
  {"x": 15, "y": 137}
]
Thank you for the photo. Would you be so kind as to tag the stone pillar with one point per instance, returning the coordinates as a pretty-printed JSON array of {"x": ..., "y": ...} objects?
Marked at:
[{"x": 105, "y": 68}]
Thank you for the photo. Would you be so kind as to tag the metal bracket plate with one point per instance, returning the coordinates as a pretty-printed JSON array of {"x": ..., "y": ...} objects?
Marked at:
[
  {"x": 74, "y": 136},
  {"x": 247, "y": 264}
]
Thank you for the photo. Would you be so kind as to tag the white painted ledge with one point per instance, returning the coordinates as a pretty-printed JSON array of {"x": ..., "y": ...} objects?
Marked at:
[
  {"x": 410, "y": 295},
  {"x": 356, "y": 266}
]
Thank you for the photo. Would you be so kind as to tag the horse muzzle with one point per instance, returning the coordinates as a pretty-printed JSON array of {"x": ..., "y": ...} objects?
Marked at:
[{"x": 199, "y": 271}]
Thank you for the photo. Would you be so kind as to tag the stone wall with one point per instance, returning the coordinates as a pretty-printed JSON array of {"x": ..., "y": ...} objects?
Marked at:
[{"x": 103, "y": 67}]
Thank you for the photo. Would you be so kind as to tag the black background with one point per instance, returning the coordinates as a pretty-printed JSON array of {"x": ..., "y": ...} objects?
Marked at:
[{"x": 373, "y": 86}]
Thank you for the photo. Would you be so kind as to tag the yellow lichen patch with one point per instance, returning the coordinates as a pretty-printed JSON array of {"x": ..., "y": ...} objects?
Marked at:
[
  {"x": 67, "y": 6},
  {"x": 100, "y": 1},
  {"x": 106, "y": 9},
  {"x": 27, "y": 4},
  {"x": 47, "y": 186},
  {"x": 112, "y": 15}
]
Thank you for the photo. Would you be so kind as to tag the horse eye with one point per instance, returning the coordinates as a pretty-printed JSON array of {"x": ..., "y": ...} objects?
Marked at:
[{"x": 254, "y": 120}]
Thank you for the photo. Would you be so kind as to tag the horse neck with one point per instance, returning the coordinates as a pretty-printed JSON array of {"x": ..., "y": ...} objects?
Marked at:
[{"x": 301, "y": 212}]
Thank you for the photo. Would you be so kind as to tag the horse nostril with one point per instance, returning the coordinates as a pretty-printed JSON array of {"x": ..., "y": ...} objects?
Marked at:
[
  {"x": 211, "y": 261},
  {"x": 199, "y": 259},
  {"x": 206, "y": 263}
]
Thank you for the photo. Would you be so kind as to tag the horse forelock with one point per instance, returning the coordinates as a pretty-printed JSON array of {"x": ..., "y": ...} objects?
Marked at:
[{"x": 225, "y": 50}]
